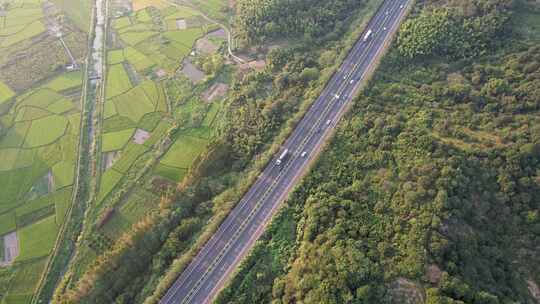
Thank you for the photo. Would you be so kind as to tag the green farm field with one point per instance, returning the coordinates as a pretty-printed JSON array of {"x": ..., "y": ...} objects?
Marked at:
[
  {"x": 39, "y": 118},
  {"x": 117, "y": 81},
  {"x": 37, "y": 240},
  {"x": 5, "y": 93},
  {"x": 184, "y": 151},
  {"x": 150, "y": 134}
]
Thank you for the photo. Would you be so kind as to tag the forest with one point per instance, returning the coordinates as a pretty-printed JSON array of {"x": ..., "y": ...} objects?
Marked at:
[
  {"x": 430, "y": 189},
  {"x": 263, "y": 20}
]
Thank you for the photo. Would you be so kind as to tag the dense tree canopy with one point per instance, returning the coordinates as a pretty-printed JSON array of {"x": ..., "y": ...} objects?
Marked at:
[
  {"x": 259, "y": 20},
  {"x": 461, "y": 29}
]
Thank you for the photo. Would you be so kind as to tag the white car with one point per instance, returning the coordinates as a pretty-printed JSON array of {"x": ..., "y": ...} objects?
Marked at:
[
  {"x": 303, "y": 154},
  {"x": 328, "y": 122}
]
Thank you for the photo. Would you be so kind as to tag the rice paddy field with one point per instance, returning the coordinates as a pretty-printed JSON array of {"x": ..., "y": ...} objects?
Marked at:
[
  {"x": 145, "y": 102},
  {"x": 154, "y": 124},
  {"x": 150, "y": 45},
  {"x": 39, "y": 131}
]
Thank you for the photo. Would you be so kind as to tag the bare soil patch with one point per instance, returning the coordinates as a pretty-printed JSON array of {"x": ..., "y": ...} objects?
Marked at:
[
  {"x": 534, "y": 290},
  {"x": 206, "y": 46},
  {"x": 192, "y": 72},
  {"x": 109, "y": 158},
  {"x": 11, "y": 248},
  {"x": 140, "y": 136},
  {"x": 216, "y": 91},
  {"x": 181, "y": 24},
  {"x": 50, "y": 181},
  {"x": 404, "y": 291},
  {"x": 433, "y": 274},
  {"x": 220, "y": 33}
]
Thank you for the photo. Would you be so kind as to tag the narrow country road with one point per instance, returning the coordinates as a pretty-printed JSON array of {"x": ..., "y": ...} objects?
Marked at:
[{"x": 209, "y": 270}]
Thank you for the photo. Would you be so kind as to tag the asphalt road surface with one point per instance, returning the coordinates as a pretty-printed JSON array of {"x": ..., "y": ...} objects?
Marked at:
[{"x": 209, "y": 270}]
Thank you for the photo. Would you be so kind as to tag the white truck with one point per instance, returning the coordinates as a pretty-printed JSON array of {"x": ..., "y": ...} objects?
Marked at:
[
  {"x": 282, "y": 157},
  {"x": 367, "y": 35}
]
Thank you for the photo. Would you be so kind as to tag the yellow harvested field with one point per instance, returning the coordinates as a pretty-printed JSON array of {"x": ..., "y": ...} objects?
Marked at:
[{"x": 140, "y": 4}]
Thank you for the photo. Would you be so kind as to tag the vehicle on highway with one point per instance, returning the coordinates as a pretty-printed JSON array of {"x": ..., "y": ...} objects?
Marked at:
[
  {"x": 303, "y": 154},
  {"x": 283, "y": 157},
  {"x": 367, "y": 35},
  {"x": 328, "y": 122}
]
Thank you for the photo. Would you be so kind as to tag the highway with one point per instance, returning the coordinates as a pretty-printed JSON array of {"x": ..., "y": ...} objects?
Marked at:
[{"x": 209, "y": 270}]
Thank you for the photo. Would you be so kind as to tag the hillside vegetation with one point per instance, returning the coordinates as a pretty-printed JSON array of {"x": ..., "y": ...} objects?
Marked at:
[
  {"x": 261, "y": 20},
  {"x": 430, "y": 190}
]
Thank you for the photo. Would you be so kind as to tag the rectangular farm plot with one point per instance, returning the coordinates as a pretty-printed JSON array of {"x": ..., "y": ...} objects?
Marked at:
[
  {"x": 185, "y": 37},
  {"x": 150, "y": 121},
  {"x": 16, "y": 183},
  {"x": 28, "y": 113},
  {"x": 116, "y": 140},
  {"x": 109, "y": 179},
  {"x": 13, "y": 158},
  {"x": 45, "y": 202},
  {"x": 61, "y": 106},
  {"x": 41, "y": 98},
  {"x": 61, "y": 205},
  {"x": 181, "y": 12},
  {"x": 24, "y": 282},
  {"x": 37, "y": 240},
  {"x": 133, "y": 38},
  {"x": 15, "y": 136},
  {"x": 115, "y": 56},
  {"x": 170, "y": 173},
  {"x": 65, "y": 81},
  {"x": 63, "y": 173},
  {"x": 184, "y": 151},
  {"x": 139, "y": 60},
  {"x": 129, "y": 156},
  {"x": 5, "y": 93},
  {"x": 158, "y": 133},
  {"x": 110, "y": 109},
  {"x": 121, "y": 22},
  {"x": 29, "y": 31},
  {"x": 139, "y": 203},
  {"x": 23, "y": 15},
  {"x": 45, "y": 131},
  {"x": 143, "y": 16},
  {"x": 117, "y": 81},
  {"x": 134, "y": 104},
  {"x": 140, "y": 4},
  {"x": 7, "y": 223}
]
